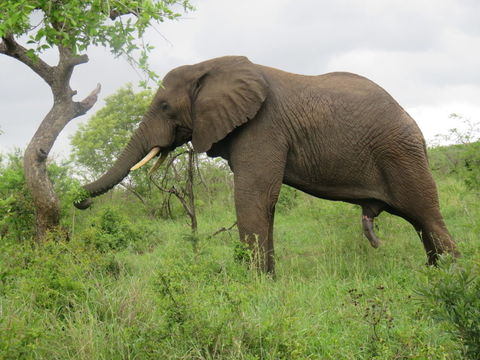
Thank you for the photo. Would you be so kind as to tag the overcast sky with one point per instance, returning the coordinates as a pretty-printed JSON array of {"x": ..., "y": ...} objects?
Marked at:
[{"x": 425, "y": 53}]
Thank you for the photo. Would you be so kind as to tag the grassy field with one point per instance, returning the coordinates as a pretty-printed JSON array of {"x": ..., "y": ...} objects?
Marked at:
[{"x": 145, "y": 289}]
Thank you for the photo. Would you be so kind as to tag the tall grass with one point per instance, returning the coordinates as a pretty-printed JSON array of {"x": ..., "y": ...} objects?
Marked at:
[{"x": 160, "y": 296}]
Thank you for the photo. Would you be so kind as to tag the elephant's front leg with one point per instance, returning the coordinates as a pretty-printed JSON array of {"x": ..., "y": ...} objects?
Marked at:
[{"x": 255, "y": 199}]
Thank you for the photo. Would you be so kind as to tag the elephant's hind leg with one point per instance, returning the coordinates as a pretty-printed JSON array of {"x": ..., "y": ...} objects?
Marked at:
[
  {"x": 416, "y": 200},
  {"x": 436, "y": 238},
  {"x": 370, "y": 210}
]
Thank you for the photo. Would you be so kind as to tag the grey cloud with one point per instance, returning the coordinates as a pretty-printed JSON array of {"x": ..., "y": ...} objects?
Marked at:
[
  {"x": 425, "y": 52},
  {"x": 313, "y": 31}
]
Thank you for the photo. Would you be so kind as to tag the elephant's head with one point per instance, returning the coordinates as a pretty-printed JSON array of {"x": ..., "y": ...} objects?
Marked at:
[{"x": 201, "y": 103}]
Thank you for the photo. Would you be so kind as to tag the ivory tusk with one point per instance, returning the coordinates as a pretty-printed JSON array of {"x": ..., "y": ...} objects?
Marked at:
[
  {"x": 146, "y": 159},
  {"x": 159, "y": 162}
]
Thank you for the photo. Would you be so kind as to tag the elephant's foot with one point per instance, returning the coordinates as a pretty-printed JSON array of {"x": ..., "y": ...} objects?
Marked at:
[{"x": 367, "y": 223}]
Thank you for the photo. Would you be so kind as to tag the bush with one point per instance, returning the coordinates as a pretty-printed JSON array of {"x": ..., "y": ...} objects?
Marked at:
[
  {"x": 16, "y": 209},
  {"x": 471, "y": 160},
  {"x": 452, "y": 297},
  {"x": 16, "y": 206},
  {"x": 110, "y": 230},
  {"x": 462, "y": 158}
]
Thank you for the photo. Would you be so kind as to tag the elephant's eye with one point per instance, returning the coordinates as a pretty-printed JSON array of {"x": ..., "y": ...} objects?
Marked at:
[{"x": 164, "y": 106}]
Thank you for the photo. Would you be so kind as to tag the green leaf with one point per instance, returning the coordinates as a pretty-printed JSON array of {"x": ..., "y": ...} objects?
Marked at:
[{"x": 79, "y": 24}]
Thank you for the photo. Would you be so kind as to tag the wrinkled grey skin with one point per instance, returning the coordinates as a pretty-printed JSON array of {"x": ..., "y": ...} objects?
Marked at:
[{"x": 336, "y": 136}]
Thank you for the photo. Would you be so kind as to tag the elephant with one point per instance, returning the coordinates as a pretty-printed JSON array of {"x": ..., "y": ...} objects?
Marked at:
[{"x": 336, "y": 136}]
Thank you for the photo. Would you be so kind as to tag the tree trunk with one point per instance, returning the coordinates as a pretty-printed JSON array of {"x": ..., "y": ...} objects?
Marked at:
[
  {"x": 45, "y": 200},
  {"x": 64, "y": 109}
]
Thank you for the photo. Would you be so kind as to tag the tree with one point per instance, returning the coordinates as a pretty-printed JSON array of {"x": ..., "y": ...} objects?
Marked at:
[
  {"x": 71, "y": 27},
  {"x": 185, "y": 194}
]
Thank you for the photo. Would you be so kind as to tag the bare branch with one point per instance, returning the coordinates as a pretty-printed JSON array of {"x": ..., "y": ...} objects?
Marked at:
[
  {"x": 222, "y": 229},
  {"x": 13, "y": 49},
  {"x": 186, "y": 195},
  {"x": 170, "y": 164},
  {"x": 173, "y": 190},
  {"x": 91, "y": 99},
  {"x": 172, "y": 159},
  {"x": 86, "y": 104},
  {"x": 77, "y": 60},
  {"x": 129, "y": 188}
]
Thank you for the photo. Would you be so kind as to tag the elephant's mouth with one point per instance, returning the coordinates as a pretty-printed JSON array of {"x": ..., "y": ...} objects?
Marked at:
[{"x": 154, "y": 152}]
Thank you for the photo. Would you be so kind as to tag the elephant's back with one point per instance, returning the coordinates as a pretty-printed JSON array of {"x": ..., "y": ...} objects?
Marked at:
[
  {"x": 341, "y": 108},
  {"x": 350, "y": 129},
  {"x": 353, "y": 110}
]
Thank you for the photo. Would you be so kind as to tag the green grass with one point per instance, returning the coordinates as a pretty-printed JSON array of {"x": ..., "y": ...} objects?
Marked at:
[{"x": 160, "y": 297}]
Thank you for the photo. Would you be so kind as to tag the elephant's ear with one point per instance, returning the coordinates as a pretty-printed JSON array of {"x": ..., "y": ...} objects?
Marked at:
[{"x": 228, "y": 94}]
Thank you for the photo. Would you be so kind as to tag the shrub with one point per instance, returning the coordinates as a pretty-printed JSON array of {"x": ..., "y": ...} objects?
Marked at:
[
  {"x": 462, "y": 158},
  {"x": 110, "y": 230},
  {"x": 452, "y": 297},
  {"x": 471, "y": 159},
  {"x": 16, "y": 210},
  {"x": 16, "y": 207}
]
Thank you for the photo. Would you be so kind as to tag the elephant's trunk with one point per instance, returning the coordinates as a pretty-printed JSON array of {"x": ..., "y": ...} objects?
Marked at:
[{"x": 131, "y": 155}]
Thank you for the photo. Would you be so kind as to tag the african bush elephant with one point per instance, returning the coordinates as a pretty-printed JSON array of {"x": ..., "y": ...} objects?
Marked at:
[{"x": 337, "y": 136}]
